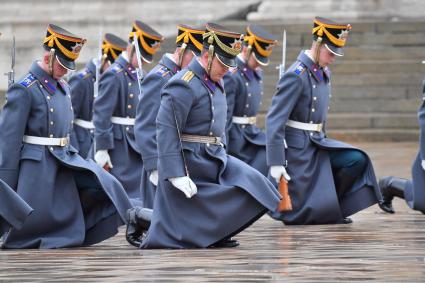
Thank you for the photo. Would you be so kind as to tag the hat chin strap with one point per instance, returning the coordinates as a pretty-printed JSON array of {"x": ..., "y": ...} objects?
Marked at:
[
  {"x": 210, "y": 58},
  {"x": 51, "y": 60},
  {"x": 181, "y": 54}
]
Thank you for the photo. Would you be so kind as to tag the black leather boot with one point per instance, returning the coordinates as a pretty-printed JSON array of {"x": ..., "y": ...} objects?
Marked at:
[
  {"x": 391, "y": 187},
  {"x": 226, "y": 243},
  {"x": 138, "y": 222}
]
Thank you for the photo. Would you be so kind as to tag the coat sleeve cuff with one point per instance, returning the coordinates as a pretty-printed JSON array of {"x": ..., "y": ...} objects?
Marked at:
[
  {"x": 104, "y": 142},
  {"x": 150, "y": 163},
  {"x": 275, "y": 154},
  {"x": 171, "y": 165}
]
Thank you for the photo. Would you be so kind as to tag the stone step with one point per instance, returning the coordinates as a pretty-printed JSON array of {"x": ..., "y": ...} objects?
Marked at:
[
  {"x": 355, "y": 67},
  {"x": 149, "y": 11},
  {"x": 304, "y": 10},
  {"x": 347, "y": 121},
  {"x": 356, "y": 105},
  {"x": 375, "y": 135}
]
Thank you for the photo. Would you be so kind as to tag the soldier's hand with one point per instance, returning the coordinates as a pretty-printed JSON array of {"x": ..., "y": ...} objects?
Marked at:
[
  {"x": 423, "y": 164},
  {"x": 185, "y": 184},
  {"x": 278, "y": 171},
  {"x": 102, "y": 158},
  {"x": 153, "y": 177}
]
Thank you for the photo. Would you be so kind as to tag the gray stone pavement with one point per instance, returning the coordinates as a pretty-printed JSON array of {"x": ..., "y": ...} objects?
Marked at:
[{"x": 377, "y": 247}]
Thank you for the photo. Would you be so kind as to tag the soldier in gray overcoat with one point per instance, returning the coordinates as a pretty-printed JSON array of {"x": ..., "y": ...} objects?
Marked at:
[
  {"x": 82, "y": 93},
  {"x": 204, "y": 196},
  {"x": 244, "y": 92},
  {"x": 75, "y": 201},
  {"x": 189, "y": 44},
  {"x": 328, "y": 180},
  {"x": 114, "y": 110}
]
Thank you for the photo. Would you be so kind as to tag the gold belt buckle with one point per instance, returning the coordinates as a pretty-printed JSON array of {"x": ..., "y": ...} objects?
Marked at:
[
  {"x": 252, "y": 120},
  {"x": 64, "y": 142},
  {"x": 319, "y": 127}
]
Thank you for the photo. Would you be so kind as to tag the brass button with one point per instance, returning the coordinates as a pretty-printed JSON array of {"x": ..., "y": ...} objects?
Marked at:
[
  {"x": 51, "y": 110},
  {"x": 312, "y": 110},
  {"x": 127, "y": 129},
  {"x": 129, "y": 84},
  {"x": 51, "y": 148},
  {"x": 249, "y": 95},
  {"x": 51, "y": 123},
  {"x": 211, "y": 133},
  {"x": 129, "y": 106},
  {"x": 131, "y": 95},
  {"x": 48, "y": 97},
  {"x": 315, "y": 98},
  {"x": 247, "y": 106},
  {"x": 51, "y": 136},
  {"x": 91, "y": 131},
  {"x": 314, "y": 86}
]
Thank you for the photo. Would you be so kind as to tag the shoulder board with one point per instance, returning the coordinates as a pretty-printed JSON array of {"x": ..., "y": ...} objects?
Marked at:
[
  {"x": 188, "y": 76},
  {"x": 28, "y": 81},
  {"x": 84, "y": 74},
  {"x": 299, "y": 69},
  {"x": 163, "y": 71},
  {"x": 116, "y": 69}
]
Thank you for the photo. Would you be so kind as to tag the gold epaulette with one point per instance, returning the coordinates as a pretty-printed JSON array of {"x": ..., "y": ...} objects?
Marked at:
[{"x": 188, "y": 76}]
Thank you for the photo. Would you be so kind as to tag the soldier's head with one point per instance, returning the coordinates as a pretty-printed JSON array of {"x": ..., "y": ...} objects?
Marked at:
[
  {"x": 257, "y": 46},
  {"x": 220, "y": 47},
  {"x": 329, "y": 38},
  {"x": 62, "y": 48},
  {"x": 112, "y": 47},
  {"x": 148, "y": 40},
  {"x": 189, "y": 43}
]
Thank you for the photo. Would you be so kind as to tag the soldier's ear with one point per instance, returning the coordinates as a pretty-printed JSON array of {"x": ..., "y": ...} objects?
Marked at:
[{"x": 46, "y": 58}]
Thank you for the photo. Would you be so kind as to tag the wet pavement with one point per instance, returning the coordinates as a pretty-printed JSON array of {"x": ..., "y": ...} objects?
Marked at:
[{"x": 376, "y": 247}]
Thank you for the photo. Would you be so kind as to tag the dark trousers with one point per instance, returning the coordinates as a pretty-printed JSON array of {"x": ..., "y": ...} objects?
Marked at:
[
  {"x": 347, "y": 165},
  {"x": 90, "y": 190}
]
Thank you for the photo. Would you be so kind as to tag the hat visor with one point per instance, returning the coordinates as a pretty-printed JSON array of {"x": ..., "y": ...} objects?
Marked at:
[
  {"x": 263, "y": 61},
  {"x": 67, "y": 64},
  {"x": 338, "y": 51},
  {"x": 226, "y": 61}
]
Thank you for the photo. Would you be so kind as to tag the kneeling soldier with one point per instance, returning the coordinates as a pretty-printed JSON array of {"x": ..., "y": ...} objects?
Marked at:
[
  {"x": 189, "y": 44},
  {"x": 75, "y": 201},
  {"x": 328, "y": 180},
  {"x": 82, "y": 93},
  {"x": 244, "y": 92},
  {"x": 204, "y": 197},
  {"x": 115, "y": 110}
]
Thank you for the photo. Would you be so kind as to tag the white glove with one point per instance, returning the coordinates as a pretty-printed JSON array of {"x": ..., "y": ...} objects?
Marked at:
[
  {"x": 153, "y": 177},
  {"x": 185, "y": 184},
  {"x": 102, "y": 158},
  {"x": 423, "y": 164},
  {"x": 278, "y": 171}
]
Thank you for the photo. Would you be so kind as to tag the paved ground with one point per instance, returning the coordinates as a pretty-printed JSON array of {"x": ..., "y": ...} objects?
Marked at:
[{"x": 376, "y": 247}]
